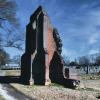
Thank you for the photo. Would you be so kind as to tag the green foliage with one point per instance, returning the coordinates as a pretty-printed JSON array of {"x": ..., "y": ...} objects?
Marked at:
[
  {"x": 56, "y": 85},
  {"x": 57, "y": 40}
]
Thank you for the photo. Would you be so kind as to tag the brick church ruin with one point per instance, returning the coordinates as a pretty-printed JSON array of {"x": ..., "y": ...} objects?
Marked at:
[{"x": 42, "y": 62}]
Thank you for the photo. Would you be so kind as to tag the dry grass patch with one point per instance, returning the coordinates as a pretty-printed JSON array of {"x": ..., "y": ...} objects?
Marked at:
[{"x": 55, "y": 92}]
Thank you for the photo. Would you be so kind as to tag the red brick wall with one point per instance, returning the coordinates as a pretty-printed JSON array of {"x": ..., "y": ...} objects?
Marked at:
[{"x": 51, "y": 44}]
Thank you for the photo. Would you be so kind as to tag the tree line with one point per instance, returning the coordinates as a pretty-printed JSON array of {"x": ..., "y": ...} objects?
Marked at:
[{"x": 85, "y": 62}]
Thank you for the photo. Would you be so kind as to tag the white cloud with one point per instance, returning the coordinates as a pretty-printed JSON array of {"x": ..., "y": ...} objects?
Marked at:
[
  {"x": 13, "y": 51},
  {"x": 93, "y": 39},
  {"x": 69, "y": 53},
  {"x": 65, "y": 52},
  {"x": 93, "y": 51}
]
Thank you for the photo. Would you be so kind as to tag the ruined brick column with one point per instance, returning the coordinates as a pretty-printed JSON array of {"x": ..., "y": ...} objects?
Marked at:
[{"x": 42, "y": 59}]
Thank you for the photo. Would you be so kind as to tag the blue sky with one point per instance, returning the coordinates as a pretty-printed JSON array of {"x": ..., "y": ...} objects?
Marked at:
[{"x": 78, "y": 22}]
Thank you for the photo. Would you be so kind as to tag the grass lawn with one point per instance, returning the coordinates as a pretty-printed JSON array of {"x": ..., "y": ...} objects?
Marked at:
[{"x": 58, "y": 92}]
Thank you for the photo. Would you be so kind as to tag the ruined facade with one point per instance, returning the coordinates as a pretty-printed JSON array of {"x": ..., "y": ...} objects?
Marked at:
[{"x": 42, "y": 59}]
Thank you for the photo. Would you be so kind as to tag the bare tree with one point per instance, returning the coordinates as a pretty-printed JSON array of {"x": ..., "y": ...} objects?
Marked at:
[
  {"x": 9, "y": 25},
  {"x": 16, "y": 59},
  {"x": 97, "y": 60},
  {"x": 84, "y": 62},
  {"x": 13, "y": 39},
  {"x": 8, "y": 12},
  {"x": 66, "y": 60}
]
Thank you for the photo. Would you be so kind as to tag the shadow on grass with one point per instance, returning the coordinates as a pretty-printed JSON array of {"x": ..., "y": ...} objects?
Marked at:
[
  {"x": 69, "y": 83},
  {"x": 10, "y": 79}
]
